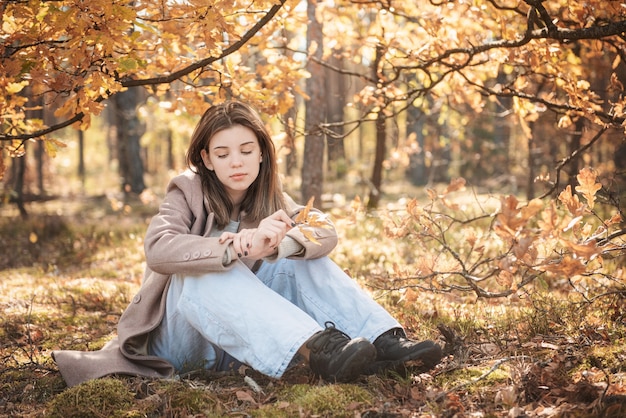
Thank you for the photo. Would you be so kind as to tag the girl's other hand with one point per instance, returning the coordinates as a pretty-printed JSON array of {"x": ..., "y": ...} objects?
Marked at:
[{"x": 262, "y": 241}]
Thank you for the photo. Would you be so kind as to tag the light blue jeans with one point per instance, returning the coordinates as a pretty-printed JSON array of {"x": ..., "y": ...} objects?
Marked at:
[{"x": 261, "y": 319}]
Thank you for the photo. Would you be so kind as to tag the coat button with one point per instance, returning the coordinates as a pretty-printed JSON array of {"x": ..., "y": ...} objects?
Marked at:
[
  {"x": 186, "y": 256},
  {"x": 137, "y": 298},
  {"x": 196, "y": 254},
  {"x": 206, "y": 253}
]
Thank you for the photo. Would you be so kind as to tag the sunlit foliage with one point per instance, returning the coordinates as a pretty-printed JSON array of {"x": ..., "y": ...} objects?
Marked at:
[{"x": 453, "y": 241}]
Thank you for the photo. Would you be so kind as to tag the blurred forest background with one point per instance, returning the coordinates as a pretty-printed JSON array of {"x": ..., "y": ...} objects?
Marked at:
[
  {"x": 472, "y": 153},
  {"x": 513, "y": 96}
]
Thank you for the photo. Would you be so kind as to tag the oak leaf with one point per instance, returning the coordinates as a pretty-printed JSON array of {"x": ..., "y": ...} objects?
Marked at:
[
  {"x": 587, "y": 250},
  {"x": 455, "y": 184},
  {"x": 531, "y": 209},
  {"x": 512, "y": 217},
  {"x": 615, "y": 219},
  {"x": 521, "y": 247},
  {"x": 508, "y": 212},
  {"x": 304, "y": 213},
  {"x": 567, "y": 266},
  {"x": 588, "y": 185},
  {"x": 306, "y": 220}
]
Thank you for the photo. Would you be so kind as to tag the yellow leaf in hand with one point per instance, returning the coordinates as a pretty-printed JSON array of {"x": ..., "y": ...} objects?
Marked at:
[
  {"x": 309, "y": 235},
  {"x": 308, "y": 220},
  {"x": 304, "y": 213}
]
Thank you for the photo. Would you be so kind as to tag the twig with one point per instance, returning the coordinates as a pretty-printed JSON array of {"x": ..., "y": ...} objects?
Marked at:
[{"x": 493, "y": 368}]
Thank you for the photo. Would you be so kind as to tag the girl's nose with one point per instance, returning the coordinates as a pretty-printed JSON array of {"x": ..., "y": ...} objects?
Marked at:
[{"x": 237, "y": 161}]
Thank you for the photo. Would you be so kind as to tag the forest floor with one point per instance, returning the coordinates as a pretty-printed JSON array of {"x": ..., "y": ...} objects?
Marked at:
[{"x": 68, "y": 271}]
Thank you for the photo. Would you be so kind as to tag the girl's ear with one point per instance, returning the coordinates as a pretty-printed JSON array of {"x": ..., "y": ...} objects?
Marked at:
[
  {"x": 261, "y": 158},
  {"x": 206, "y": 159}
]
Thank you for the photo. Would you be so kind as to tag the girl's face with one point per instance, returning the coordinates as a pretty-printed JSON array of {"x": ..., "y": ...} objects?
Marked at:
[{"x": 235, "y": 156}]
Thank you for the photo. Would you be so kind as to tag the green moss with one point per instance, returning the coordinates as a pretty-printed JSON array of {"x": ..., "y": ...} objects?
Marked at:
[
  {"x": 95, "y": 398},
  {"x": 607, "y": 357},
  {"x": 324, "y": 401},
  {"x": 29, "y": 386},
  {"x": 184, "y": 401},
  {"x": 473, "y": 379}
]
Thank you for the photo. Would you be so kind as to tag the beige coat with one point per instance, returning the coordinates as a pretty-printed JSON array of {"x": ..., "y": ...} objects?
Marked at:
[{"x": 177, "y": 241}]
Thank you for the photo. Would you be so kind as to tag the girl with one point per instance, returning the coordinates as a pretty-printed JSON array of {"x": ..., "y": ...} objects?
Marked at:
[{"x": 231, "y": 279}]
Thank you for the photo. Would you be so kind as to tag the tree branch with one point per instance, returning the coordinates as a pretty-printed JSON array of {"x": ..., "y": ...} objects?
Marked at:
[
  {"x": 129, "y": 82},
  {"x": 165, "y": 79}
]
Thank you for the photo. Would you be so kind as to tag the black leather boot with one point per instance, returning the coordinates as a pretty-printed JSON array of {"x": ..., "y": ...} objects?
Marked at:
[
  {"x": 394, "y": 351},
  {"x": 337, "y": 358}
]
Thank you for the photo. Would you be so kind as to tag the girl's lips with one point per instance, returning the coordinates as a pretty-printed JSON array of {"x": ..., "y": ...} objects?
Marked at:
[{"x": 238, "y": 176}]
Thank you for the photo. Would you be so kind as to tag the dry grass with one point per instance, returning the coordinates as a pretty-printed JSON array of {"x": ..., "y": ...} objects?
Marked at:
[{"x": 67, "y": 273}]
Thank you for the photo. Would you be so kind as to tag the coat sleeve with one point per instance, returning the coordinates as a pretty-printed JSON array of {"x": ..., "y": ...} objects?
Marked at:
[{"x": 175, "y": 241}]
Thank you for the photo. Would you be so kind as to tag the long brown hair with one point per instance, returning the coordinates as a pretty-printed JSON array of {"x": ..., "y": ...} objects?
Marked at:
[{"x": 264, "y": 196}]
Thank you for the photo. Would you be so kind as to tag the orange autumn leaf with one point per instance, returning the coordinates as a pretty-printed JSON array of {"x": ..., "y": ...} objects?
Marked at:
[
  {"x": 571, "y": 201},
  {"x": 508, "y": 212},
  {"x": 615, "y": 219},
  {"x": 532, "y": 208},
  {"x": 522, "y": 246},
  {"x": 432, "y": 195},
  {"x": 413, "y": 208},
  {"x": 567, "y": 266},
  {"x": 455, "y": 184},
  {"x": 307, "y": 220},
  {"x": 586, "y": 250},
  {"x": 512, "y": 217},
  {"x": 505, "y": 279},
  {"x": 303, "y": 215},
  {"x": 588, "y": 185}
]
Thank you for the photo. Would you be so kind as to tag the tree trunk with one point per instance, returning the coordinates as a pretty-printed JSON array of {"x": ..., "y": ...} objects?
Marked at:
[
  {"x": 40, "y": 159},
  {"x": 129, "y": 132},
  {"x": 530, "y": 178},
  {"x": 40, "y": 151},
  {"x": 313, "y": 164},
  {"x": 379, "y": 158},
  {"x": 381, "y": 148},
  {"x": 574, "y": 145},
  {"x": 81, "y": 158},
  {"x": 171, "y": 161},
  {"x": 416, "y": 172},
  {"x": 335, "y": 103},
  {"x": 291, "y": 159},
  {"x": 19, "y": 170}
]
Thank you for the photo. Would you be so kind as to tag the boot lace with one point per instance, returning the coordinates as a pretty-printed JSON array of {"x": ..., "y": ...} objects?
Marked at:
[{"x": 329, "y": 340}]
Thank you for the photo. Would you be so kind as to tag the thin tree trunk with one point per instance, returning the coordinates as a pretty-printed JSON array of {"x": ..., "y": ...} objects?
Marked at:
[
  {"x": 530, "y": 179},
  {"x": 574, "y": 145},
  {"x": 81, "y": 158},
  {"x": 171, "y": 162},
  {"x": 313, "y": 164},
  {"x": 291, "y": 159},
  {"x": 37, "y": 113},
  {"x": 129, "y": 132},
  {"x": 39, "y": 157},
  {"x": 381, "y": 148},
  {"x": 18, "y": 189},
  {"x": 335, "y": 103},
  {"x": 417, "y": 163},
  {"x": 379, "y": 158}
]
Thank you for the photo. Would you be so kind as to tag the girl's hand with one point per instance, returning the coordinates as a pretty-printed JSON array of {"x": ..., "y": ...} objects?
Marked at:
[{"x": 261, "y": 241}]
